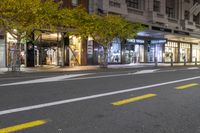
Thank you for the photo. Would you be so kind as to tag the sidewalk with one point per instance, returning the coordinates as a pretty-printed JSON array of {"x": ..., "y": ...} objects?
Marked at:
[{"x": 93, "y": 67}]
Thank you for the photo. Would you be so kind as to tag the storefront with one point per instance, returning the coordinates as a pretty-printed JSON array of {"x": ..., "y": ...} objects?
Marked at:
[
  {"x": 2, "y": 51},
  {"x": 133, "y": 51},
  {"x": 75, "y": 47},
  {"x": 15, "y": 53},
  {"x": 171, "y": 51},
  {"x": 195, "y": 52},
  {"x": 48, "y": 49},
  {"x": 155, "y": 48},
  {"x": 114, "y": 51},
  {"x": 185, "y": 52}
]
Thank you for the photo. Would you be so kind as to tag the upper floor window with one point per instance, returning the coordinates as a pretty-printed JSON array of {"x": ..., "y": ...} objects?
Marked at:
[
  {"x": 196, "y": 19},
  {"x": 187, "y": 15},
  {"x": 74, "y": 2},
  {"x": 170, "y": 12},
  {"x": 196, "y": 1},
  {"x": 133, "y": 3},
  {"x": 156, "y": 6},
  {"x": 114, "y": 4},
  {"x": 187, "y": 1}
]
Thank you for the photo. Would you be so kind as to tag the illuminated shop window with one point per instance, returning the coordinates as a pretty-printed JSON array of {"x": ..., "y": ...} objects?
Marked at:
[
  {"x": 184, "y": 52},
  {"x": 171, "y": 51},
  {"x": 75, "y": 51}
]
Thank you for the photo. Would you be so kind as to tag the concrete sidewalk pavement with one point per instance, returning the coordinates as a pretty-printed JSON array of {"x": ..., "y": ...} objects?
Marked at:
[{"x": 92, "y": 67}]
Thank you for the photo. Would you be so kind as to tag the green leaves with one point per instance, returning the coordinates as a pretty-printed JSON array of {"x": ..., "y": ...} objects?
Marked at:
[
  {"x": 27, "y": 15},
  {"x": 104, "y": 29}
]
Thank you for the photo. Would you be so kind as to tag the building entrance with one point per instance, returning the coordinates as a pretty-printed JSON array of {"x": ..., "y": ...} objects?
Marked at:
[{"x": 47, "y": 54}]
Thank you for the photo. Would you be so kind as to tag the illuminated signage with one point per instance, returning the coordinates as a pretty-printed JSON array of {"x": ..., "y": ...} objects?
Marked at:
[
  {"x": 157, "y": 41},
  {"x": 135, "y": 40}
]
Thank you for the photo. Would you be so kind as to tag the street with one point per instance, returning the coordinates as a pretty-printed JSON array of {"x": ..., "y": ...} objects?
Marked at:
[{"x": 156, "y": 100}]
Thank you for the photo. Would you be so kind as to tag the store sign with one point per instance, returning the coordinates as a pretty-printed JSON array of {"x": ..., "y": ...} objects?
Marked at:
[
  {"x": 158, "y": 41},
  {"x": 90, "y": 47},
  {"x": 135, "y": 40},
  {"x": 51, "y": 36}
]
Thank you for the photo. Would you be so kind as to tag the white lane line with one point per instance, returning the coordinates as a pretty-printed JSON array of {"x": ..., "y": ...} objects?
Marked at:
[
  {"x": 1, "y": 72},
  {"x": 42, "y": 80},
  {"x": 9, "y": 111},
  {"x": 146, "y": 71},
  {"x": 193, "y": 68}
]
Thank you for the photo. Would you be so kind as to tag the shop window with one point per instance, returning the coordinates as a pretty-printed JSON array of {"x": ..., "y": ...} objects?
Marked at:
[
  {"x": 195, "y": 52},
  {"x": 184, "y": 52},
  {"x": 75, "y": 51},
  {"x": 114, "y": 51},
  {"x": 2, "y": 53},
  {"x": 171, "y": 51}
]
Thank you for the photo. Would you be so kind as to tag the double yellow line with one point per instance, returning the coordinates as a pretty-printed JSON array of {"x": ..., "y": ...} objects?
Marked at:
[{"x": 23, "y": 126}]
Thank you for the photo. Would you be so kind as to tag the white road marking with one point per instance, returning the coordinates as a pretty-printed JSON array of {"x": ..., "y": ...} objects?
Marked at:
[
  {"x": 193, "y": 68},
  {"x": 146, "y": 71},
  {"x": 42, "y": 80},
  {"x": 1, "y": 72},
  {"x": 9, "y": 111}
]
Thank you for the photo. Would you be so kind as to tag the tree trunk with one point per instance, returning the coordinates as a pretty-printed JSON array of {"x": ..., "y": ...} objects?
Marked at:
[
  {"x": 15, "y": 60},
  {"x": 104, "y": 60}
]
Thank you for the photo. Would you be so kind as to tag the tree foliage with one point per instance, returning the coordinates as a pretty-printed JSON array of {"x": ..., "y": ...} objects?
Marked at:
[
  {"x": 103, "y": 29},
  {"x": 21, "y": 17}
]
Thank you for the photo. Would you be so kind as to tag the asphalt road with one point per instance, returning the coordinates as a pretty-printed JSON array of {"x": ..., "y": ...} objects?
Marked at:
[{"x": 125, "y": 101}]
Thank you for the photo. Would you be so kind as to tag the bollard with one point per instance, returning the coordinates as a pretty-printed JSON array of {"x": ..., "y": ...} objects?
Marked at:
[
  {"x": 184, "y": 61},
  {"x": 171, "y": 61},
  {"x": 195, "y": 61},
  {"x": 156, "y": 61}
]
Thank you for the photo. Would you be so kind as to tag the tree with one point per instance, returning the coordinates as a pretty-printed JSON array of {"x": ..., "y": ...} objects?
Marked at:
[
  {"x": 21, "y": 17},
  {"x": 103, "y": 29}
]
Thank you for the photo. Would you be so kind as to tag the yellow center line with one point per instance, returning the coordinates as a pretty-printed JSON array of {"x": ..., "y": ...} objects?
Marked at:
[
  {"x": 186, "y": 86},
  {"x": 125, "y": 101},
  {"x": 22, "y": 126}
]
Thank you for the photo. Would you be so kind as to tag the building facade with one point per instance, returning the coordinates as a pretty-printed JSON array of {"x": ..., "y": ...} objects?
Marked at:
[
  {"x": 172, "y": 34},
  {"x": 172, "y": 30}
]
